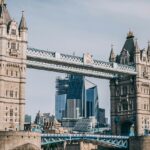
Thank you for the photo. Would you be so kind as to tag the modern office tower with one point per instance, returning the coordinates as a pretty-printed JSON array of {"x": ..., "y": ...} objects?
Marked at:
[
  {"x": 61, "y": 97},
  {"x": 91, "y": 99},
  {"x": 75, "y": 97},
  {"x": 73, "y": 108}
]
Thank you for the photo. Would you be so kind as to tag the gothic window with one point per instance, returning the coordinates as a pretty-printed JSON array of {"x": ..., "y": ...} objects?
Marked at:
[
  {"x": 124, "y": 90},
  {"x": 130, "y": 106},
  {"x": 11, "y": 93},
  {"x": 16, "y": 94},
  {"x": 18, "y": 46},
  {"x": 119, "y": 108},
  {"x": 11, "y": 73},
  {"x": 132, "y": 90},
  {"x": 8, "y": 44},
  {"x": 125, "y": 105},
  {"x": 7, "y": 72},
  {"x": 144, "y": 106},
  {"x": 117, "y": 92},
  {"x": 121, "y": 88},
  {"x": 16, "y": 73},
  {"x": 6, "y": 93},
  {"x": 13, "y": 32},
  {"x": 13, "y": 46},
  {"x": 11, "y": 112},
  {"x": 126, "y": 60}
]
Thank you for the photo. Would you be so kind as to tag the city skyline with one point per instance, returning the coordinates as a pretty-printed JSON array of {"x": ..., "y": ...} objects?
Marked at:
[{"x": 86, "y": 30}]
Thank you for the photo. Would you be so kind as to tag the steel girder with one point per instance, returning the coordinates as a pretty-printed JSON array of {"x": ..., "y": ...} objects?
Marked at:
[{"x": 109, "y": 141}]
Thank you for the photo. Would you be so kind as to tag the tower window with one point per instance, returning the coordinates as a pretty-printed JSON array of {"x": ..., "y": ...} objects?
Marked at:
[
  {"x": 7, "y": 72},
  {"x": 13, "y": 32},
  {"x": 124, "y": 90},
  {"x": 11, "y": 73},
  {"x": 16, "y": 94},
  {"x": 13, "y": 46},
  {"x": 11, "y": 112},
  {"x": 125, "y": 105},
  {"x": 11, "y": 93},
  {"x": 16, "y": 73},
  {"x": 8, "y": 44},
  {"x": 6, "y": 92}
]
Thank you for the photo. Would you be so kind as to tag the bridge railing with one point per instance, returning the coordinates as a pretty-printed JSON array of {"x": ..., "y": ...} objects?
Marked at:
[{"x": 108, "y": 140}]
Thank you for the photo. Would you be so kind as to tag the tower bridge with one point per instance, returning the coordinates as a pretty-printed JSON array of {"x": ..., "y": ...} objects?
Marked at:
[{"x": 128, "y": 72}]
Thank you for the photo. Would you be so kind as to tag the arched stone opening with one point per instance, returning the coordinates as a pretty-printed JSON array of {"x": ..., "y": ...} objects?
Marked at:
[
  {"x": 27, "y": 146},
  {"x": 127, "y": 128}
]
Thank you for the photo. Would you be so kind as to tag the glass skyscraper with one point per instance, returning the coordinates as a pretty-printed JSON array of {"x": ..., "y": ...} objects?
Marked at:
[
  {"x": 91, "y": 101},
  {"x": 75, "y": 97},
  {"x": 61, "y": 97}
]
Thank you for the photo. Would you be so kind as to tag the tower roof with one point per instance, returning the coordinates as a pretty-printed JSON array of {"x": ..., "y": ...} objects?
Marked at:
[
  {"x": 4, "y": 14},
  {"x": 130, "y": 45},
  {"x": 130, "y": 34},
  {"x": 23, "y": 24}
]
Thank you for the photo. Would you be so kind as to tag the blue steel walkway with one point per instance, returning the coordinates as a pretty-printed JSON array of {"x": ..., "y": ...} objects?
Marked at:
[{"x": 107, "y": 140}]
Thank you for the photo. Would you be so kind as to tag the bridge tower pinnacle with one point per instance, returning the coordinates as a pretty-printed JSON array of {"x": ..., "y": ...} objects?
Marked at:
[{"x": 13, "y": 46}]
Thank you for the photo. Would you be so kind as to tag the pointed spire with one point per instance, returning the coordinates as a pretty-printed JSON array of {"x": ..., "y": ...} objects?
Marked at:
[
  {"x": 23, "y": 25},
  {"x": 148, "y": 49},
  {"x": 136, "y": 45},
  {"x": 4, "y": 14},
  {"x": 112, "y": 57},
  {"x": 130, "y": 34}
]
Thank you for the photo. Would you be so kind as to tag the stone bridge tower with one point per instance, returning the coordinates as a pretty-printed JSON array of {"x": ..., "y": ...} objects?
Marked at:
[
  {"x": 130, "y": 95},
  {"x": 13, "y": 46}
]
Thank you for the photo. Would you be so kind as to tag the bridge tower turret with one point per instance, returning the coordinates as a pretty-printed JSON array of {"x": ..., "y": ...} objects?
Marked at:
[
  {"x": 130, "y": 95},
  {"x": 13, "y": 46},
  {"x": 112, "y": 57}
]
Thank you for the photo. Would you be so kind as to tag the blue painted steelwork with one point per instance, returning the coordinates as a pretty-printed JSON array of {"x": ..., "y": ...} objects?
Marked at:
[{"x": 107, "y": 140}]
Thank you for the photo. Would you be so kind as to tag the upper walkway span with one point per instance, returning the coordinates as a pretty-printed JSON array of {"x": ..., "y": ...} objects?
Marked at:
[{"x": 86, "y": 65}]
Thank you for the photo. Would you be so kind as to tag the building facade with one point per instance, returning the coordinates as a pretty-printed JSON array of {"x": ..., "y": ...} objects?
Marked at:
[
  {"x": 13, "y": 46},
  {"x": 75, "y": 97},
  {"x": 130, "y": 95},
  {"x": 91, "y": 99}
]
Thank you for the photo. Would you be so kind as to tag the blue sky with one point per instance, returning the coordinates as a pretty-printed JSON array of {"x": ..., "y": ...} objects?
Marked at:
[{"x": 79, "y": 26}]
